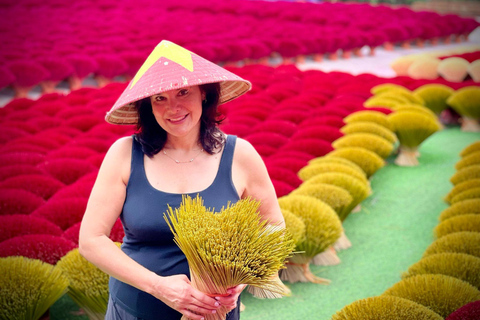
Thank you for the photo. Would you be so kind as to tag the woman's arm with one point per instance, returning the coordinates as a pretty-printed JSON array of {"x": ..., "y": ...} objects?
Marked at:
[
  {"x": 104, "y": 207},
  {"x": 251, "y": 179}
]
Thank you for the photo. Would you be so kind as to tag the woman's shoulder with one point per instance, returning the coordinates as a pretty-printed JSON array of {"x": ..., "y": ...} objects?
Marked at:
[
  {"x": 245, "y": 152},
  {"x": 121, "y": 147}
]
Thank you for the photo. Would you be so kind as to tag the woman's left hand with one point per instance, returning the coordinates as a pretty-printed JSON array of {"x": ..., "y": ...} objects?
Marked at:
[{"x": 230, "y": 301}]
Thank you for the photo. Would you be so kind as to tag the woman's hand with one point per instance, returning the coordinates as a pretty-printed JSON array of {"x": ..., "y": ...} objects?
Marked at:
[
  {"x": 177, "y": 292},
  {"x": 230, "y": 301}
]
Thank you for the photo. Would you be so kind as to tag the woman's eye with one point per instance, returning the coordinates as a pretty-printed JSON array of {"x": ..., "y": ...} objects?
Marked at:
[
  {"x": 159, "y": 98},
  {"x": 183, "y": 92}
]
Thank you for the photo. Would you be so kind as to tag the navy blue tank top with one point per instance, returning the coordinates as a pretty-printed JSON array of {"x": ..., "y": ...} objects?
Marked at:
[{"x": 148, "y": 239}]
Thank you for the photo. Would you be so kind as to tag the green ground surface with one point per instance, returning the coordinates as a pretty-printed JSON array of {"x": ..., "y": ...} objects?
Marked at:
[{"x": 388, "y": 235}]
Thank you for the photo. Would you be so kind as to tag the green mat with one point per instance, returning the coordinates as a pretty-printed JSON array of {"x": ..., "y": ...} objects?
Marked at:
[{"x": 388, "y": 235}]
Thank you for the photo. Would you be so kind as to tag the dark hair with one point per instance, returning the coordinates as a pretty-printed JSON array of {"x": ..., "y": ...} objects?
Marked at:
[{"x": 152, "y": 137}]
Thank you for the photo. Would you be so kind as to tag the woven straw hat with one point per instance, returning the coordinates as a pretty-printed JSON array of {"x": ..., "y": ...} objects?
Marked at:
[{"x": 171, "y": 67}]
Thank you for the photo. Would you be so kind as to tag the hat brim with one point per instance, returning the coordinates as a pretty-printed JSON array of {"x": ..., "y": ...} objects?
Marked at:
[
  {"x": 171, "y": 67},
  {"x": 128, "y": 114}
]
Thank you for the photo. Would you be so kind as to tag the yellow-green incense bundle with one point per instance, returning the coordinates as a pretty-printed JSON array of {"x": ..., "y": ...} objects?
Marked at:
[
  {"x": 370, "y": 116},
  {"x": 369, "y": 141},
  {"x": 322, "y": 229},
  {"x": 332, "y": 159},
  {"x": 471, "y": 148},
  {"x": 460, "y": 187},
  {"x": 228, "y": 248},
  {"x": 385, "y": 307},
  {"x": 336, "y": 197},
  {"x": 358, "y": 189},
  {"x": 459, "y": 208},
  {"x": 469, "y": 160},
  {"x": 311, "y": 170},
  {"x": 28, "y": 288},
  {"x": 442, "y": 294},
  {"x": 411, "y": 128},
  {"x": 458, "y": 265},
  {"x": 464, "y": 222},
  {"x": 434, "y": 95},
  {"x": 369, "y": 127},
  {"x": 88, "y": 284},
  {"x": 369, "y": 161}
]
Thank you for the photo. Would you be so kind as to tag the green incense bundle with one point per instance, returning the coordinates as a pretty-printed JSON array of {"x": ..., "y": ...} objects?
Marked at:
[
  {"x": 369, "y": 141},
  {"x": 411, "y": 128},
  {"x": 385, "y": 307},
  {"x": 28, "y": 288},
  {"x": 88, "y": 285},
  {"x": 464, "y": 222},
  {"x": 370, "y": 116},
  {"x": 460, "y": 208},
  {"x": 471, "y": 148},
  {"x": 442, "y": 294},
  {"x": 370, "y": 127},
  {"x": 460, "y": 187},
  {"x": 458, "y": 265},
  {"x": 322, "y": 229},
  {"x": 469, "y": 160},
  {"x": 434, "y": 95},
  {"x": 231, "y": 247},
  {"x": 465, "y": 101}
]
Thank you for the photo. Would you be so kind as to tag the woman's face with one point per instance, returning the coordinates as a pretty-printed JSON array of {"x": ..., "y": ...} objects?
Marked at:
[{"x": 178, "y": 111}]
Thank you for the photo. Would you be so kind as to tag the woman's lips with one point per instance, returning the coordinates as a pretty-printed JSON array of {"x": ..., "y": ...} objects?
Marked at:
[{"x": 178, "y": 119}]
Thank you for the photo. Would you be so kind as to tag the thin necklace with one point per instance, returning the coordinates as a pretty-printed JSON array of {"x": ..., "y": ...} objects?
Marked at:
[{"x": 178, "y": 161}]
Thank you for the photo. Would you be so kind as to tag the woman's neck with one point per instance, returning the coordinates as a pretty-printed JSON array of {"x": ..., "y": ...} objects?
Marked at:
[{"x": 183, "y": 143}]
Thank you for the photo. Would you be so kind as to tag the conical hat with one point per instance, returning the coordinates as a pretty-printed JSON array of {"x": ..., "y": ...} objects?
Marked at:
[{"x": 171, "y": 67}]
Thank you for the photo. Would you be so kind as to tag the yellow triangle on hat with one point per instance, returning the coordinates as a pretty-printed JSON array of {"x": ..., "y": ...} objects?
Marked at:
[{"x": 170, "y": 51}]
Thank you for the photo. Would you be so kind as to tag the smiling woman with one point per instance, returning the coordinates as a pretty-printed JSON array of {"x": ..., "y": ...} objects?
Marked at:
[
  {"x": 183, "y": 110},
  {"x": 178, "y": 150}
]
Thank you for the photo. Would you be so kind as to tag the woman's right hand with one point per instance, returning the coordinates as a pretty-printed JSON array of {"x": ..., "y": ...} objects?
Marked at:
[{"x": 177, "y": 292}]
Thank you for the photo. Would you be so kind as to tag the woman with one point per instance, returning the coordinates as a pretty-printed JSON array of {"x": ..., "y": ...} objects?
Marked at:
[{"x": 178, "y": 150}]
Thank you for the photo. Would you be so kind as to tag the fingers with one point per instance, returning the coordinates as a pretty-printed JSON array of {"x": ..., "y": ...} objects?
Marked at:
[
  {"x": 196, "y": 313},
  {"x": 230, "y": 301}
]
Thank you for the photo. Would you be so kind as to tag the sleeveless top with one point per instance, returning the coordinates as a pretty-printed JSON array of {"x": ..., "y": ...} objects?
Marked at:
[{"x": 148, "y": 239}]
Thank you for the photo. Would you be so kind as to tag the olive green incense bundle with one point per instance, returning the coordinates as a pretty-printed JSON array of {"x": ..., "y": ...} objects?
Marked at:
[
  {"x": 369, "y": 127},
  {"x": 336, "y": 197},
  {"x": 460, "y": 242},
  {"x": 461, "y": 187},
  {"x": 88, "y": 285},
  {"x": 369, "y": 141},
  {"x": 434, "y": 95},
  {"x": 358, "y": 189},
  {"x": 465, "y": 174},
  {"x": 369, "y": 116},
  {"x": 369, "y": 161},
  {"x": 311, "y": 170},
  {"x": 464, "y": 222},
  {"x": 387, "y": 87},
  {"x": 294, "y": 225},
  {"x": 442, "y": 294},
  {"x": 28, "y": 288},
  {"x": 469, "y": 160},
  {"x": 473, "y": 193},
  {"x": 458, "y": 265},
  {"x": 411, "y": 128},
  {"x": 459, "y": 208},
  {"x": 322, "y": 230},
  {"x": 417, "y": 108},
  {"x": 385, "y": 307},
  {"x": 228, "y": 248},
  {"x": 465, "y": 101},
  {"x": 333, "y": 159},
  {"x": 471, "y": 148}
]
